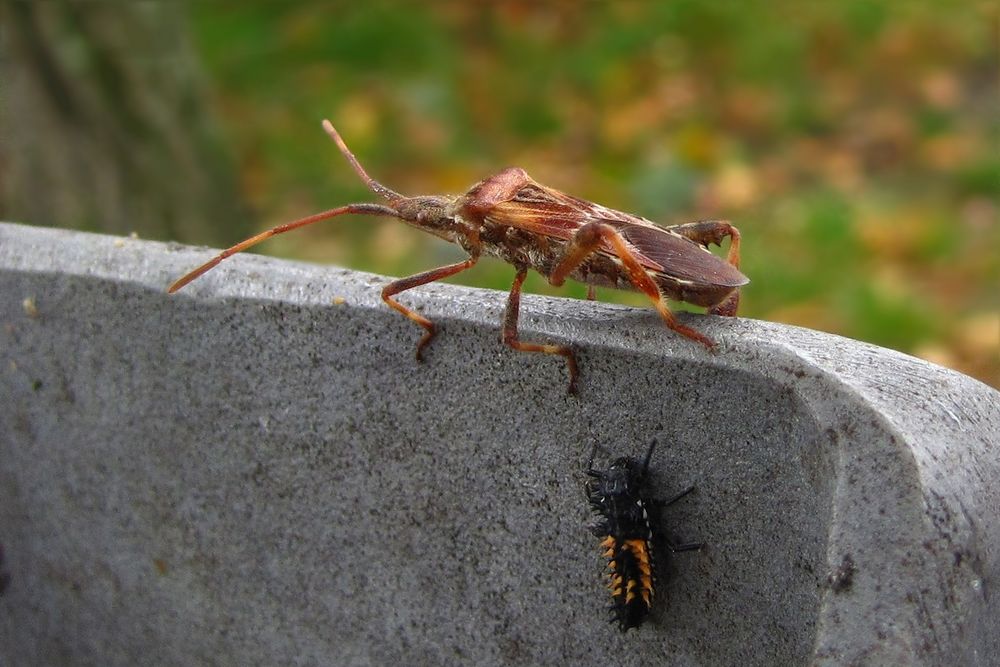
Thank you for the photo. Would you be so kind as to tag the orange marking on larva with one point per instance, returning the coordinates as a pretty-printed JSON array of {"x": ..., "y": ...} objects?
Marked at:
[
  {"x": 639, "y": 548},
  {"x": 615, "y": 495},
  {"x": 615, "y": 585}
]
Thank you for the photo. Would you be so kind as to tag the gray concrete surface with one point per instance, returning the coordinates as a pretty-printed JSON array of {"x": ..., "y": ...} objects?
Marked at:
[{"x": 249, "y": 472}]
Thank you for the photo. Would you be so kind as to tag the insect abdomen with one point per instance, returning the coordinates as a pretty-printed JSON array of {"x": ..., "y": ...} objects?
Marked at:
[{"x": 630, "y": 579}]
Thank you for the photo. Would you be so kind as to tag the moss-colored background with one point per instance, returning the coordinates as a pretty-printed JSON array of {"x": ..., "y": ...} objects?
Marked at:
[{"x": 854, "y": 143}]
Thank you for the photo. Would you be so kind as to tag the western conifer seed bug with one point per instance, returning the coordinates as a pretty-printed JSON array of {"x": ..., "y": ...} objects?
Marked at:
[{"x": 532, "y": 226}]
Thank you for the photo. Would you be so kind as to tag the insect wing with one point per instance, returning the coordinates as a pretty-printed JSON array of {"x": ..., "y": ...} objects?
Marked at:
[
  {"x": 548, "y": 212},
  {"x": 681, "y": 257}
]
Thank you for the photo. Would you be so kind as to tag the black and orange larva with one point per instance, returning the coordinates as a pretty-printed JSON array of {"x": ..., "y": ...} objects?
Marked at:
[{"x": 628, "y": 534}]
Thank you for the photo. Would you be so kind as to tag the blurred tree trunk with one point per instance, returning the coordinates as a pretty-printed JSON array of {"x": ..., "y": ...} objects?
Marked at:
[{"x": 104, "y": 123}]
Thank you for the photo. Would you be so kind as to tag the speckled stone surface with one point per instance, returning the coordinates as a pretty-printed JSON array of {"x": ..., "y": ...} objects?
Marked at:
[{"x": 257, "y": 471}]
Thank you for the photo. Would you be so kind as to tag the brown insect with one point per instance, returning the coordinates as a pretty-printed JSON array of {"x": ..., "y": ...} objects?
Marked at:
[{"x": 531, "y": 226}]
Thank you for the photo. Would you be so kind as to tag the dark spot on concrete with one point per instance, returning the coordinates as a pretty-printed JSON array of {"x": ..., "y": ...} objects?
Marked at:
[
  {"x": 841, "y": 578},
  {"x": 4, "y": 576}
]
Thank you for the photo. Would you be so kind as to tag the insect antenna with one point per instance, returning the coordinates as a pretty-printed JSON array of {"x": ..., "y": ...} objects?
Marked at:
[
  {"x": 372, "y": 184},
  {"x": 357, "y": 209}
]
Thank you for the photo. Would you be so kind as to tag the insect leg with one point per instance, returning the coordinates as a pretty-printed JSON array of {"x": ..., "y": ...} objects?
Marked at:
[
  {"x": 510, "y": 332},
  {"x": 403, "y": 284},
  {"x": 675, "y": 547},
  {"x": 714, "y": 231},
  {"x": 687, "y": 546},
  {"x": 645, "y": 463},
  {"x": 591, "y": 470},
  {"x": 587, "y": 240},
  {"x": 671, "y": 501}
]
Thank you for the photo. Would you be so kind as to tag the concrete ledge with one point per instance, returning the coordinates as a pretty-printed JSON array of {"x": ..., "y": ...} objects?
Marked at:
[{"x": 249, "y": 472}]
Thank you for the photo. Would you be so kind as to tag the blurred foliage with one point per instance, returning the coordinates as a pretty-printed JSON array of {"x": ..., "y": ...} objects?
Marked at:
[{"x": 854, "y": 143}]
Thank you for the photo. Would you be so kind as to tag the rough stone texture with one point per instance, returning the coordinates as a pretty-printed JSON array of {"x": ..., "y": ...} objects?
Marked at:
[{"x": 253, "y": 471}]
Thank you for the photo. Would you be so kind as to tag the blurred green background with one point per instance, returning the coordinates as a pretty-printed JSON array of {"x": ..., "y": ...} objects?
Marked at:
[{"x": 855, "y": 144}]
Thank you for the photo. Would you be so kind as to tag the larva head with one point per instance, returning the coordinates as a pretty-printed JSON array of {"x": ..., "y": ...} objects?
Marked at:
[{"x": 622, "y": 478}]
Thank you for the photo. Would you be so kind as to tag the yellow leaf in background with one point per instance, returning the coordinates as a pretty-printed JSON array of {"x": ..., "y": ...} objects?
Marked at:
[
  {"x": 810, "y": 315},
  {"x": 973, "y": 348},
  {"x": 891, "y": 233},
  {"x": 980, "y": 215},
  {"x": 947, "y": 152},
  {"x": 425, "y": 134},
  {"x": 979, "y": 334},
  {"x": 842, "y": 169},
  {"x": 882, "y": 136},
  {"x": 937, "y": 353},
  {"x": 891, "y": 283},
  {"x": 314, "y": 246},
  {"x": 941, "y": 89},
  {"x": 749, "y": 108},
  {"x": 357, "y": 119},
  {"x": 735, "y": 186},
  {"x": 624, "y": 122},
  {"x": 393, "y": 242},
  {"x": 699, "y": 145}
]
